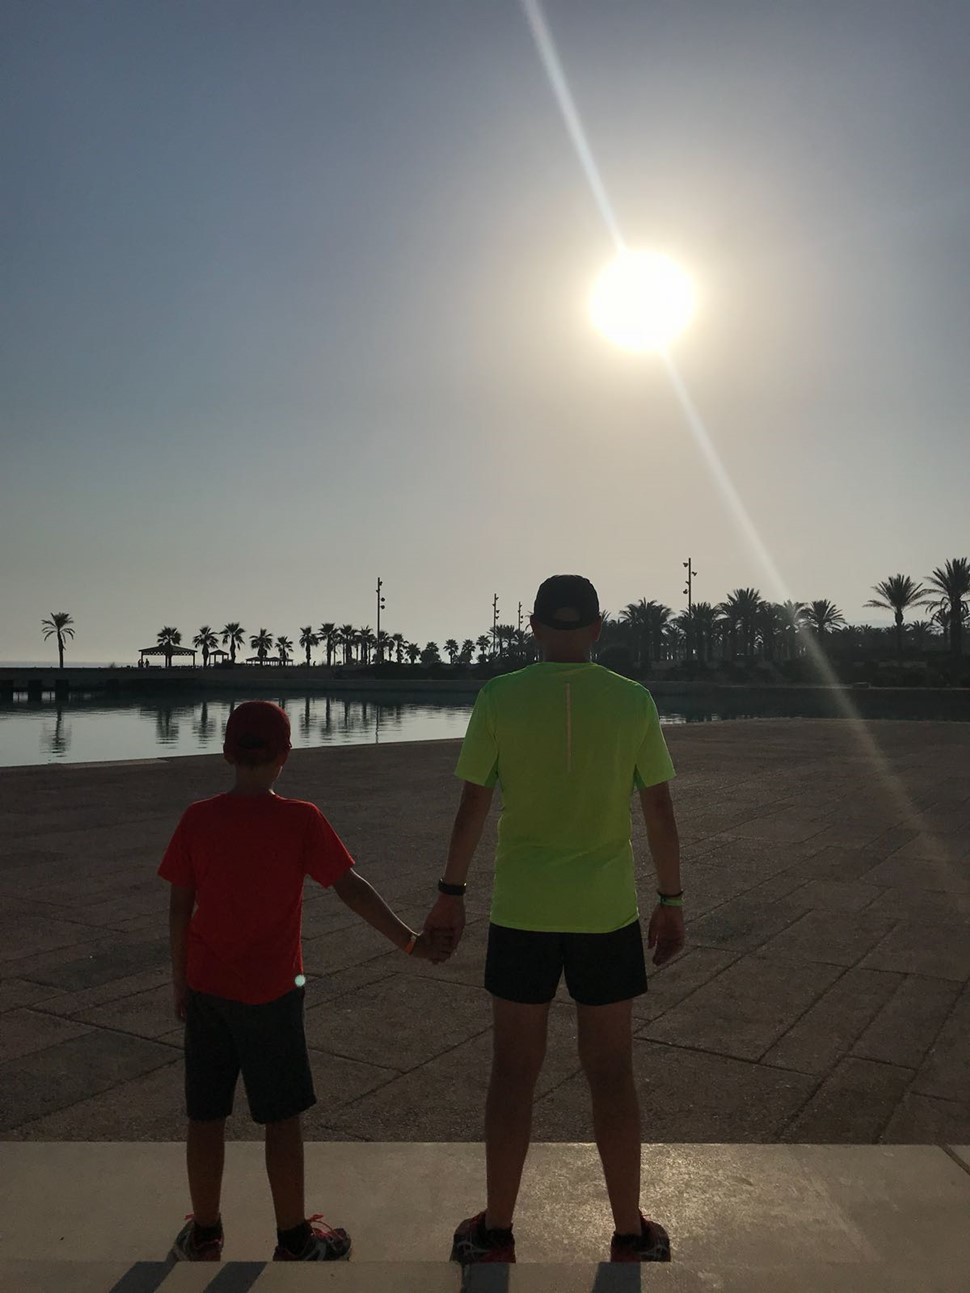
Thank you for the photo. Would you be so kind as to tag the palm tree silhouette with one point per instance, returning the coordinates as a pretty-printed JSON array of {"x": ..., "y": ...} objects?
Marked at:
[
  {"x": 412, "y": 651},
  {"x": 327, "y": 633},
  {"x": 466, "y": 652},
  {"x": 895, "y": 594},
  {"x": 308, "y": 639},
  {"x": 207, "y": 641},
  {"x": 741, "y": 608},
  {"x": 483, "y": 642},
  {"x": 398, "y": 640},
  {"x": 347, "y": 635},
  {"x": 284, "y": 648},
  {"x": 451, "y": 650},
  {"x": 60, "y": 623},
  {"x": 823, "y": 616},
  {"x": 168, "y": 637},
  {"x": 792, "y": 620},
  {"x": 262, "y": 644},
  {"x": 233, "y": 635},
  {"x": 953, "y": 581}
]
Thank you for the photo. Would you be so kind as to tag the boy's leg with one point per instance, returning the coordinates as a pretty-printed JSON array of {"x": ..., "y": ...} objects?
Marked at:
[
  {"x": 284, "y": 1167},
  {"x": 519, "y": 1047},
  {"x": 205, "y": 1155},
  {"x": 606, "y": 1054}
]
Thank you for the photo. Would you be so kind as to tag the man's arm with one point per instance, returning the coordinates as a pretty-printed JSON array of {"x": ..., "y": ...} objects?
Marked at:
[
  {"x": 180, "y": 907},
  {"x": 446, "y": 919},
  {"x": 666, "y": 930}
]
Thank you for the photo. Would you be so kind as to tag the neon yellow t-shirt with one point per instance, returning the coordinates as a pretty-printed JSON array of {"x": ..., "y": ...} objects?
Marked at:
[{"x": 567, "y": 743}]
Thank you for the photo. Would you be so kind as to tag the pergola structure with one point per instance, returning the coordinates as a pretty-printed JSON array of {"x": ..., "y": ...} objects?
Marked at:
[{"x": 167, "y": 651}]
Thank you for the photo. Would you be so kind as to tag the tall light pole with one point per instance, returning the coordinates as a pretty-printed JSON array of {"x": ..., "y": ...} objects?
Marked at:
[
  {"x": 380, "y": 607},
  {"x": 494, "y": 623},
  {"x": 689, "y": 590}
]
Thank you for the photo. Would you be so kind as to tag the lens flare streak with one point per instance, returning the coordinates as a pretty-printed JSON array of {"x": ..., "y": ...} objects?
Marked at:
[{"x": 910, "y": 816}]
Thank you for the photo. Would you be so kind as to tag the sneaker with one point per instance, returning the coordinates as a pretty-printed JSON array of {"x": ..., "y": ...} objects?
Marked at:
[
  {"x": 326, "y": 1244},
  {"x": 651, "y": 1245},
  {"x": 185, "y": 1249},
  {"x": 473, "y": 1243}
]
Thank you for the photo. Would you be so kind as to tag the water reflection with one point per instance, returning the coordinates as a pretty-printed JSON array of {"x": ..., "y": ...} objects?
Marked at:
[{"x": 58, "y": 739}]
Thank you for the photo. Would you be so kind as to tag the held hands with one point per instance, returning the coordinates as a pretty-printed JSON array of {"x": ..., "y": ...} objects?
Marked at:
[
  {"x": 665, "y": 933},
  {"x": 433, "y": 947},
  {"x": 443, "y": 926}
]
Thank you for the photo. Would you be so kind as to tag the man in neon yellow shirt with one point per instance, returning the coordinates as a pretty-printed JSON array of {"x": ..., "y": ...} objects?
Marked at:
[{"x": 568, "y": 742}]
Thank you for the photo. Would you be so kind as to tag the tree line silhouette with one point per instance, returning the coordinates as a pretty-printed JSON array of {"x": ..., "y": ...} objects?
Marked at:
[{"x": 744, "y": 626}]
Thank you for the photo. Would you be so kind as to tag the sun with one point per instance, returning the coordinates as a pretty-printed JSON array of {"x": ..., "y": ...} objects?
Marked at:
[{"x": 642, "y": 301}]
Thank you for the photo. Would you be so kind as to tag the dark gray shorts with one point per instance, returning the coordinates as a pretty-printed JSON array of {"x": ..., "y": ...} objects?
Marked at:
[
  {"x": 526, "y": 965},
  {"x": 265, "y": 1043}
]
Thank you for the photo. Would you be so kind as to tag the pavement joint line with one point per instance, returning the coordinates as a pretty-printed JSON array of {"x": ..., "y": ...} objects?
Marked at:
[{"x": 956, "y": 1158}]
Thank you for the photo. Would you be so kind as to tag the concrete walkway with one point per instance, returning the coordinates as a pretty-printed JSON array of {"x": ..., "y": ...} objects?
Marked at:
[
  {"x": 823, "y": 997},
  {"x": 758, "y": 1218}
]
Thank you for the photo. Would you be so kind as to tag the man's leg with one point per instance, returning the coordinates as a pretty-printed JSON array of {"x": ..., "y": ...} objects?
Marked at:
[
  {"x": 519, "y": 1047},
  {"x": 205, "y": 1156},
  {"x": 606, "y": 1054}
]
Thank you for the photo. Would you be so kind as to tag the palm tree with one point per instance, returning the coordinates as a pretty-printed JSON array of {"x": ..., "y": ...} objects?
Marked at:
[
  {"x": 383, "y": 643},
  {"x": 233, "y": 635},
  {"x": 308, "y": 639},
  {"x": 451, "y": 650},
  {"x": 284, "y": 649},
  {"x": 921, "y": 631},
  {"x": 262, "y": 644},
  {"x": 466, "y": 652},
  {"x": 398, "y": 640},
  {"x": 741, "y": 608},
  {"x": 702, "y": 629},
  {"x": 412, "y": 651},
  {"x": 430, "y": 654},
  {"x": 60, "y": 623},
  {"x": 168, "y": 638},
  {"x": 769, "y": 623},
  {"x": 953, "y": 581},
  {"x": 635, "y": 617},
  {"x": 483, "y": 642},
  {"x": 895, "y": 594},
  {"x": 365, "y": 640},
  {"x": 207, "y": 641},
  {"x": 792, "y": 620},
  {"x": 823, "y": 616},
  {"x": 346, "y": 636},
  {"x": 327, "y": 634}
]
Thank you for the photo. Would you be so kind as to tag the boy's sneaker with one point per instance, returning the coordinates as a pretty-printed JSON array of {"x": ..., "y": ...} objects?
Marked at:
[
  {"x": 325, "y": 1244},
  {"x": 187, "y": 1249},
  {"x": 652, "y": 1244},
  {"x": 473, "y": 1243}
]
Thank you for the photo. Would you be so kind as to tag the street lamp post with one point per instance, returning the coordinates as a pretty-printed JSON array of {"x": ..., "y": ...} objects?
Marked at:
[
  {"x": 689, "y": 590},
  {"x": 494, "y": 624},
  {"x": 380, "y": 607}
]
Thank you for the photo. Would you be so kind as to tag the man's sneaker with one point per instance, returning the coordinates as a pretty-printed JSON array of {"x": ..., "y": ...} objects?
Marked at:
[
  {"x": 185, "y": 1248},
  {"x": 326, "y": 1244},
  {"x": 473, "y": 1243},
  {"x": 652, "y": 1244}
]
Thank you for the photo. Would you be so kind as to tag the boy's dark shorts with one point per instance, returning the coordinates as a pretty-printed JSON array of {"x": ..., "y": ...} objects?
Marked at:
[
  {"x": 525, "y": 965},
  {"x": 265, "y": 1043}
]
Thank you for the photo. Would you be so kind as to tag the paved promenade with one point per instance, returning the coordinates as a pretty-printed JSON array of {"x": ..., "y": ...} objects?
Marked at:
[{"x": 824, "y": 995}]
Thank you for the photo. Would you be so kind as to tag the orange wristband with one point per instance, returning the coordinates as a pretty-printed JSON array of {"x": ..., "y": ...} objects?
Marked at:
[{"x": 410, "y": 944}]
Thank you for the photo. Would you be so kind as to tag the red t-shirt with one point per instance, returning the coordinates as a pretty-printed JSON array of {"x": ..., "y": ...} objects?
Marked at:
[{"x": 245, "y": 857}]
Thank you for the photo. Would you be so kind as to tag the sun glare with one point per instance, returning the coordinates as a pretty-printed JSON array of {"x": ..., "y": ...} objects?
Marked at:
[{"x": 642, "y": 301}]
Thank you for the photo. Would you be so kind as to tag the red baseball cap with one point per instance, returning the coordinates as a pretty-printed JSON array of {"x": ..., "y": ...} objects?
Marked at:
[{"x": 257, "y": 732}]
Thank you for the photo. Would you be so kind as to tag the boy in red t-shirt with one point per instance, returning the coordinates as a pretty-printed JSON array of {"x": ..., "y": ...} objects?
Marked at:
[{"x": 236, "y": 864}]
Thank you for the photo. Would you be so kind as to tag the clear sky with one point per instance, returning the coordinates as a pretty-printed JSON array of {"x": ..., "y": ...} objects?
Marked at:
[{"x": 296, "y": 292}]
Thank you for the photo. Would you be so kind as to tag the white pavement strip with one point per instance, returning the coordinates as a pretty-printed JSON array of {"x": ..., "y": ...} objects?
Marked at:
[{"x": 739, "y": 1216}]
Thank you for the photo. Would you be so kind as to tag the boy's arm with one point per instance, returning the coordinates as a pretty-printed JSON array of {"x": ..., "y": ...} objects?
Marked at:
[
  {"x": 180, "y": 907},
  {"x": 354, "y": 891},
  {"x": 666, "y": 930},
  {"x": 446, "y": 919}
]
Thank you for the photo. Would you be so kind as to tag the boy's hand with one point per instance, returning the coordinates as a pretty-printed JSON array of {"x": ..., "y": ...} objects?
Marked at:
[
  {"x": 431, "y": 947},
  {"x": 180, "y": 995},
  {"x": 666, "y": 932}
]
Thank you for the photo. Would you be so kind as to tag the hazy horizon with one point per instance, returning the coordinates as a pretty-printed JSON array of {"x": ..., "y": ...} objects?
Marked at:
[{"x": 296, "y": 298}]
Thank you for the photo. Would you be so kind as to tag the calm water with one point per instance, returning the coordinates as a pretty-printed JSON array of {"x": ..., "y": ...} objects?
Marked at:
[{"x": 95, "y": 730}]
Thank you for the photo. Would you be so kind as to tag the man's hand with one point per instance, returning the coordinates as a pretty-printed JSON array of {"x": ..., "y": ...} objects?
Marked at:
[
  {"x": 180, "y": 996},
  {"x": 434, "y": 947},
  {"x": 444, "y": 924},
  {"x": 666, "y": 932}
]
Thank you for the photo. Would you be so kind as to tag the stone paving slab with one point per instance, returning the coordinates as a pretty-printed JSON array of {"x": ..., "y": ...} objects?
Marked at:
[
  {"x": 725, "y": 1206},
  {"x": 823, "y": 867}
]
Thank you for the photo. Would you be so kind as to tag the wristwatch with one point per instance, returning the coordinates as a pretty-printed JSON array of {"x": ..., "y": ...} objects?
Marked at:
[{"x": 452, "y": 890}]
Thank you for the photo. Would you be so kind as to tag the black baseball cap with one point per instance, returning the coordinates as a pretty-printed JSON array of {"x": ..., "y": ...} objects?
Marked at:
[{"x": 566, "y": 602}]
